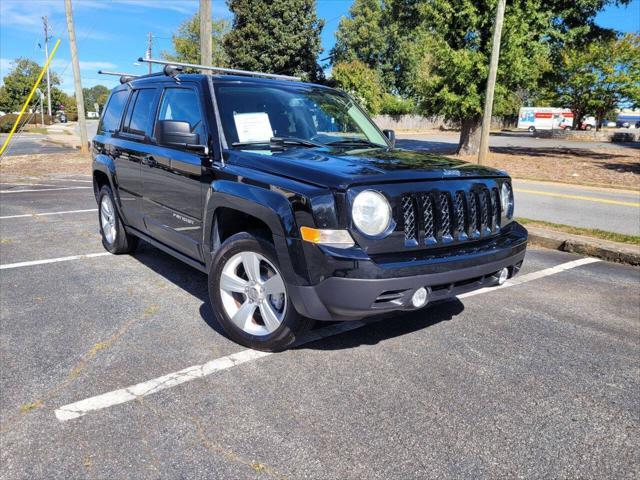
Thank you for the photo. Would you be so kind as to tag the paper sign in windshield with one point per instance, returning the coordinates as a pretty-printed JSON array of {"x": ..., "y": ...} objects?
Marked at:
[{"x": 253, "y": 127}]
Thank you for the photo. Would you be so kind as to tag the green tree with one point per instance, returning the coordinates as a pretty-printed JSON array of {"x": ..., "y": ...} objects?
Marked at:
[
  {"x": 599, "y": 77},
  {"x": 275, "y": 36},
  {"x": 96, "y": 94},
  {"x": 361, "y": 82},
  {"x": 362, "y": 36},
  {"x": 437, "y": 52},
  {"x": 19, "y": 82},
  {"x": 444, "y": 61},
  {"x": 186, "y": 42}
]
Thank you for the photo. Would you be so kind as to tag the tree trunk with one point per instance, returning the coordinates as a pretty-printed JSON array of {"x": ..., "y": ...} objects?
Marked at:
[
  {"x": 577, "y": 119},
  {"x": 470, "y": 136}
]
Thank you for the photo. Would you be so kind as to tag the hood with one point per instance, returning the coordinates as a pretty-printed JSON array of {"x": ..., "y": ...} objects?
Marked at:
[{"x": 339, "y": 169}]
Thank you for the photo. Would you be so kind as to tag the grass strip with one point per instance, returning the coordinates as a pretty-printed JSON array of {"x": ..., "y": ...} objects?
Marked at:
[{"x": 587, "y": 232}]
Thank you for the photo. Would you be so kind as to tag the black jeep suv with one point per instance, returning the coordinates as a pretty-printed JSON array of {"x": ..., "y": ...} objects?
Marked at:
[{"x": 296, "y": 205}]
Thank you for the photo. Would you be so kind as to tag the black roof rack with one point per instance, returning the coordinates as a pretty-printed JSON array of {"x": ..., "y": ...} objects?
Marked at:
[
  {"x": 124, "y": 77},
  {"x": 230, "y": 71}
]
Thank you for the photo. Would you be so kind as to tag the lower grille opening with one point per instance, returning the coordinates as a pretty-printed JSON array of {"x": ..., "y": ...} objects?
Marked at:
[{"x": 389, "y": 296}]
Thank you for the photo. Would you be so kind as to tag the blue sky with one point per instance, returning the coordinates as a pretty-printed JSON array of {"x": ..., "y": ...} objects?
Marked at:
[{"x": 111, "y": 34}]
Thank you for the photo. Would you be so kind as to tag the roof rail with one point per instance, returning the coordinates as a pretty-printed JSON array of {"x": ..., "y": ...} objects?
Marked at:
[
  {"x": 230, "y": 71},
  {"x": 124, "y": 77}
]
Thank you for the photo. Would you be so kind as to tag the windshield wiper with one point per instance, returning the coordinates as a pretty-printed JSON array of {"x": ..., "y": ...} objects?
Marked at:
[
  {"x": 298, "y": 142},
  {"x": 354, "y": 141},
  {"x": 280, "y": 142}
]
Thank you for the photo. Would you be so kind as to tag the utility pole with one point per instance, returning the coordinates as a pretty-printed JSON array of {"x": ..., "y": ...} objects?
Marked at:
[
  {"x": 46, "y": 55},
  {"x": 82, "y": 121},
  {"x": 150, "y": 49},
  {"x": 205, "y": 34},
  {"x": 491, "y": 83}
]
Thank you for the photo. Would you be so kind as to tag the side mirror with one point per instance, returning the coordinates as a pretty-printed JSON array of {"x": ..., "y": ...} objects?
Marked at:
[
  {"x": 174, "y": 133},
  {"x": 391, "y": 135}
]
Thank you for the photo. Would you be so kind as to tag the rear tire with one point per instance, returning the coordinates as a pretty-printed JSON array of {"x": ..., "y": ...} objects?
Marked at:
[
  {"x": 249, "y": 296},
  {"x": 115, "y": 239},
  {"x": 532, "y": 129}
]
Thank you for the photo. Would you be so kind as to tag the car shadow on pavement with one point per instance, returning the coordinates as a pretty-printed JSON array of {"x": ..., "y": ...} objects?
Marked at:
[{"x": 379, "y": 328}]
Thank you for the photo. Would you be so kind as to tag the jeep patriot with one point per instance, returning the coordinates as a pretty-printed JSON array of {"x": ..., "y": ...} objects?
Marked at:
[{"x": 293, "y": 202}]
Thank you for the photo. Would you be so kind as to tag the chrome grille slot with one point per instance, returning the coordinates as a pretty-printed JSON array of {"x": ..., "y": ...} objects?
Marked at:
[
  {"x": 473, "y": 214},
  {"x": 428, "y": 218},
  {"x": 409, "y": 217},
  {"x": 459, "y": 210},
  {"x": 445, "y": 217},
  {"x": 495, "y": 212},
  {"x": 485, "y": 201}
]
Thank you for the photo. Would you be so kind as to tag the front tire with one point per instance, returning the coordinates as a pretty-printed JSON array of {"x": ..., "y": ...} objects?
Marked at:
[
  {"x": 249, "y": 295},
  {"x": 114, "y": 237}
]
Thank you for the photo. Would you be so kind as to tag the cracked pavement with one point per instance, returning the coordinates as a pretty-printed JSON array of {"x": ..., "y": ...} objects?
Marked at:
[{"x": 539, "y": 380}]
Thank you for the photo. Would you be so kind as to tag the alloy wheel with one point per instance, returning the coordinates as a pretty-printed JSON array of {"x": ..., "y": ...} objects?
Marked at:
[
  {"x": 253, "y": 293},
  {"x": 108, "y": 219}
]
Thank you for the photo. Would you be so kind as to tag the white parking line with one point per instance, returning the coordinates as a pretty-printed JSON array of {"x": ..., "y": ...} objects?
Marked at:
[
  {"x": 43, "y": 189},
  {"x": 123, "y": 395},
  {"x": 46, "y": 214},
  {"x": 27, "y": 184},
  {"x": 52, "y": 260}
]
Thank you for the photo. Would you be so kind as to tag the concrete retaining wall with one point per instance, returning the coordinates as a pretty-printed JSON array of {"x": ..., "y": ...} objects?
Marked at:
[
  {"x": 436, "y": 122},
  {"x": 591, "y": 135}
]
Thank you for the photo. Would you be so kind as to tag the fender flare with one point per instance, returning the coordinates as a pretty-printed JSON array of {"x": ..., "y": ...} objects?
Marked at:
[
  {"x": 104, "y": 164},
  {"x": 273, "y": 208}
]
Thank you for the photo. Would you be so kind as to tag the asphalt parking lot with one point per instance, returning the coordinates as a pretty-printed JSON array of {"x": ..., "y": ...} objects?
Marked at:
[{"x": 115, "y": 367}]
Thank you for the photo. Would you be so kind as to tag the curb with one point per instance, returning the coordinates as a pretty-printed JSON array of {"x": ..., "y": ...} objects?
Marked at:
[{"x": 593, "y": 247}]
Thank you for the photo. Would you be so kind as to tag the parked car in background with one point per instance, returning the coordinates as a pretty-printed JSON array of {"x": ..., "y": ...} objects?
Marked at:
[
  {"x": 2, "y": 114},
  {"x": 93, "y": 115}
]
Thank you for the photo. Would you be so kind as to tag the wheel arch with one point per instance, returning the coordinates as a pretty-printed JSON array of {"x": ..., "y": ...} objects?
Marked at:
[{"x": 233, "y": 207}]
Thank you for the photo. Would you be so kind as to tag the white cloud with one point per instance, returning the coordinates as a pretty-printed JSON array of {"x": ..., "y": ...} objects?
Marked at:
[{"x": 96, "y": 65}]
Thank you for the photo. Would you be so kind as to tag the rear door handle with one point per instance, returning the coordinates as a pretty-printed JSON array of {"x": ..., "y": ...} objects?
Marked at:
[{"x": 149, "y": 160}]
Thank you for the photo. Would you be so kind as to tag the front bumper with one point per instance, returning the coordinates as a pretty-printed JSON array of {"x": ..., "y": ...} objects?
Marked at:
[{"x": 444, "y": 275}]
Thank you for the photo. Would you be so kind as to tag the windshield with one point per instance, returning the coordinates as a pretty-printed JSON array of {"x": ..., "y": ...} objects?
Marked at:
[{"x": 253, "y": 114}]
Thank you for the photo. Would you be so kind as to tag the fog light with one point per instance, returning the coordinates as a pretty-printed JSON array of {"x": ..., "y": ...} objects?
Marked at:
[
  {"x": 419, "y": 298},
  {"x": 503, "y": 275}
]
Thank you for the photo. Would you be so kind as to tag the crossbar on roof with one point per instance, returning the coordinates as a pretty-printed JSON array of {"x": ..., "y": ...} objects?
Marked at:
[{"x": 231, "y": 71}]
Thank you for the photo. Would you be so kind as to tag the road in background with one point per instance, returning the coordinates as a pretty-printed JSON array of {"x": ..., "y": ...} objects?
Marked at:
[
  {"x": 587, "y": 207},
  {"x": 447, "y": 141},
  {"x": 32, "y": 143}
]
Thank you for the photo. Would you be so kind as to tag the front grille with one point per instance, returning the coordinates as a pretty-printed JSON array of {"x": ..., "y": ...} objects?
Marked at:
[{"x": 441, "y": 217}]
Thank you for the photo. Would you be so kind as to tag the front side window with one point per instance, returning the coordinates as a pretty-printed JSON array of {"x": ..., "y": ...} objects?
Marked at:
[
  {"x": 140, "y": 118},
  {"x": 255, "y": 114},
  {"x": 113, "y": 112},
  {"x": 183, "y": 105}
]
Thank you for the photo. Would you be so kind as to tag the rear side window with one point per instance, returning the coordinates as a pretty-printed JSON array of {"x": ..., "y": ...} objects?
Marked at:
[
  {"x": 182, "y": 104},
  {"x": 113, "y": 112},
  {"x": 140, "y": 117}
]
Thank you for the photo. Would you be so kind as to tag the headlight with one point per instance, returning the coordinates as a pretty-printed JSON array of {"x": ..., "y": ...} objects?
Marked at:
[
  {"x": 371, "y": 213},
  {"x": 506, "y": 200}
]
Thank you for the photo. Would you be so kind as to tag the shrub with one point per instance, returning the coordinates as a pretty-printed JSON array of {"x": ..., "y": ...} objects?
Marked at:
[
  {"x": 395, "y": 105},
  {"x": 7, "y": 121},
  {"x": 361, "y": 82}
]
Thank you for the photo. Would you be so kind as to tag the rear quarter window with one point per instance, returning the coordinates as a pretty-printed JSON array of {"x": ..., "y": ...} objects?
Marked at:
[
  {"x": 140, "y": 119},
  {"x": 113, "y": 112}
]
